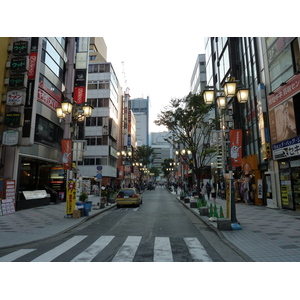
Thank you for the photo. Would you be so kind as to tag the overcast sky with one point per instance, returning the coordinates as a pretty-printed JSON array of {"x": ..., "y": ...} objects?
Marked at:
[{"x": 157, "y": 66}]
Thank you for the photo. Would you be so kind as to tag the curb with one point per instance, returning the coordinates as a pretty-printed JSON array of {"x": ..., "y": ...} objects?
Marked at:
[{"x": 217, "y": 232}]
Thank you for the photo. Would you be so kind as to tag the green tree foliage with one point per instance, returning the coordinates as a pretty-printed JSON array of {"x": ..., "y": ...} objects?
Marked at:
[
  {"x": 155, "y": 171},
  {"x": 165, "y": 165},
  {"x": 144, "y": 154},
  {"x": 191, "y": 128}
]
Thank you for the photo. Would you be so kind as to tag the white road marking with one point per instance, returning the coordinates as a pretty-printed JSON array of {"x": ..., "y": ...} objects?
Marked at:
[
  {"x": 89, "y": 254},
  {"x": 55, "y": 252},
  {"x": 162, "y": 250},
  {"x": 15, "y": 255},
  {"x": 196, "y": 250},
  {"x": 127, "y": 251}
]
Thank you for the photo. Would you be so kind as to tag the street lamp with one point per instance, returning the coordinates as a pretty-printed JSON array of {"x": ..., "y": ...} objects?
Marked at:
[
  {"x": 78, "y": 112},
  {"x": 230, "y": 90}
]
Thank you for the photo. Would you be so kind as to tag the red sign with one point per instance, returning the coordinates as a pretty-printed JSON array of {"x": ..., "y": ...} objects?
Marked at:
[
  {"x": 291, "y": 88},
  {"x": 236, "y": 147},
  {"x": 121, "y": 171},
  {"x": 66, "y": 146},
  {"x": 79, "y": 94},
  {"x": 46, "y": 99},
  {"x": 32, "y": 65}
]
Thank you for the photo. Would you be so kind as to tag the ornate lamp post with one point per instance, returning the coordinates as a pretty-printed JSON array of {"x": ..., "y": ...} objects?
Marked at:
[
  {"x": 77, "y": 113},
  {"x": 230, "y": 90}
]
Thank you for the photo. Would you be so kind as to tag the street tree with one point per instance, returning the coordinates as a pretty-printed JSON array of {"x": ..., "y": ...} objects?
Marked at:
[
  {"x": 144, "y": 154},
  {"x": 155, "y": 171},
  {"x": 165, "y": 166},
  {"x": 188, "y": 120}
]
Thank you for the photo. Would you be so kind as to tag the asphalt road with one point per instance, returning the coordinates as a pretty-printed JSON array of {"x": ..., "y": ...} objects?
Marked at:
[{"x": 160, "y": 230}]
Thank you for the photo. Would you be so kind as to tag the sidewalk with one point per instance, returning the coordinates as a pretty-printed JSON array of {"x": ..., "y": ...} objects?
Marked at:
[
  {"x": 267, "y": 235},
  {"x": 40, "y": 223}
]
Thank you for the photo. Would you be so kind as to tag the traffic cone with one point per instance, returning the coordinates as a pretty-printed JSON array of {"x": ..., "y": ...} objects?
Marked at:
[
  {"x": 211, "y": 213},
  {"x": 215, "y": 211},
  {"x": 221, "y": 212}
]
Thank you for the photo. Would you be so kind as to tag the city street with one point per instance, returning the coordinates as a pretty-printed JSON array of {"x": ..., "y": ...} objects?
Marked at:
[{"x": 160, "y": 230}]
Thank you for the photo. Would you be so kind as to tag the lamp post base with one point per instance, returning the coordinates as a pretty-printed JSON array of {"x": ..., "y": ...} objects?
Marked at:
[{"x": 236, "y": 226}]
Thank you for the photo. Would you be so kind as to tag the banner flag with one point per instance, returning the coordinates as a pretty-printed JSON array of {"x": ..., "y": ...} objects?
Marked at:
[{"x": 236, "y": 147}]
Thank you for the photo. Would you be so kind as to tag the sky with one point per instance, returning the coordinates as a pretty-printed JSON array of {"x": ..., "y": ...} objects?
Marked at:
[{"x": 154, "y": 66}]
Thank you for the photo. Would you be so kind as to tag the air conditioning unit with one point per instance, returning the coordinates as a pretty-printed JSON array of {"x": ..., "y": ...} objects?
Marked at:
[
  {"x": 6, "y": 81},
  {"x": 9, "y": 48}
]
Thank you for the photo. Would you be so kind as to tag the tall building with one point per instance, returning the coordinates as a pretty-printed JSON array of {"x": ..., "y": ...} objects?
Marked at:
[
  {"x": 5, "y": 44},
  {"x": 237, "y": 58},
  {"x": 269, "y": 67},
  {"x": 32, "y": 138},
  {"x": 162, "y": 149},
  {"x": 281, "y": 60},
  {"x": 140, "y": 109},
  {"x": 102, "y": 128},
  {"x": 198, "y": 79}
]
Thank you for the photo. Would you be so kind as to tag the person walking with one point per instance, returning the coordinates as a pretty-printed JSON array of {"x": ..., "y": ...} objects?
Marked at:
[
  {"x": 208, "y": 190},
  {"x": 175, "y": 187},
  {"x": 203, "y": 192},
  {"x": 213, "y": 192}
]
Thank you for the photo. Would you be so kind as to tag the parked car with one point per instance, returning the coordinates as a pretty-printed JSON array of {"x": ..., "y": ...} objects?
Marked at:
[{"x": 129, "y": 196}]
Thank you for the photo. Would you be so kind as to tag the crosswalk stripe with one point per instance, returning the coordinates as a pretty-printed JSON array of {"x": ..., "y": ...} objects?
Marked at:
[
  {"x": 88, "y": 254},
  {"x": 127, "y": 251},
  {"x": 196, "y": 250},
  {"x": 162, "y": 250},
  {"x": 52, "y": 254},
  {"x": 15, "y": 255}
]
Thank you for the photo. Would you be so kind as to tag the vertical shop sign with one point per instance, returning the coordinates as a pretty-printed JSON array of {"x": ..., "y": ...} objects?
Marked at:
[
  {"x": 236, "y": 147},
  {"x": 71, "y": 197},
  {"x": 81, "y": 66},
  {"x": 27, "y": 132},
  {"x": 66, "y": 145}
]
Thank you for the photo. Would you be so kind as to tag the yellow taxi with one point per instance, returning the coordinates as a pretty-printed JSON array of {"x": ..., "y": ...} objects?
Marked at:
[{"x": 129, "y": 196}]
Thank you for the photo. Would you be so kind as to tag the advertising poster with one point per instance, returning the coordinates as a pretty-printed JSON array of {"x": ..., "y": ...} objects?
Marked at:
[
  {"x": 236, "y": 147},
  {"x": 66, "y": 146},
  {"x": 71, "y": 197}
]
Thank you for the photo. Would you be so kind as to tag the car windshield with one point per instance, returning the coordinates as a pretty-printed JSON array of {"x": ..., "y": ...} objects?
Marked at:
[{"x": 123, "y": 193}]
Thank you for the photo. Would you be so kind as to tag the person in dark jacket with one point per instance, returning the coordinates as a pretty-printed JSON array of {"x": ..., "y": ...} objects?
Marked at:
[{"x": 208, "y": 190}]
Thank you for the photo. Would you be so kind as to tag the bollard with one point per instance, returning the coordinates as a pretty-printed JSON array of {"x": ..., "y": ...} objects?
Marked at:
[
  {"x": 221, "y": 212},
  {"x": 215, "y": 211},
  {"x": 211, "y": 213},
  {"x": 199, "y": 203}
]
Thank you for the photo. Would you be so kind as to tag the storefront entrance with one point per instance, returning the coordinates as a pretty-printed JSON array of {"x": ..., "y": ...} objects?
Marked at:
[
  {"x": 36, "y": 176},
  {"x": 289, "y": 175}
]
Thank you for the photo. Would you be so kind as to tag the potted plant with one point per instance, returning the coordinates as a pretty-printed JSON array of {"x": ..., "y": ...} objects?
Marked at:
[
  {"x": 87, "y": 204},
  {"x": 103, "y": 199},
  {"x": 83, "y": 197}
]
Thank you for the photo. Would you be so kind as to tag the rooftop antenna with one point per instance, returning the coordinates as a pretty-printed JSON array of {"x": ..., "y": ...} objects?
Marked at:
[{"x": 125, "y": 80}]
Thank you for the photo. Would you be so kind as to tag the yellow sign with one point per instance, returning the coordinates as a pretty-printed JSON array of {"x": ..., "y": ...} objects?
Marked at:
[{"x": 71, "y": 197}]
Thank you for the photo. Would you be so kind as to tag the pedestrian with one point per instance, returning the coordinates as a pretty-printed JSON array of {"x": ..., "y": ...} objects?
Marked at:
[
  {"x": 203, "y": 192},
  {"x": 213, "y": 192},
  {"x": 108, "y": 190},
  {"x": 175, "y": 187},
  {"x": 208, "y": 190}
]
